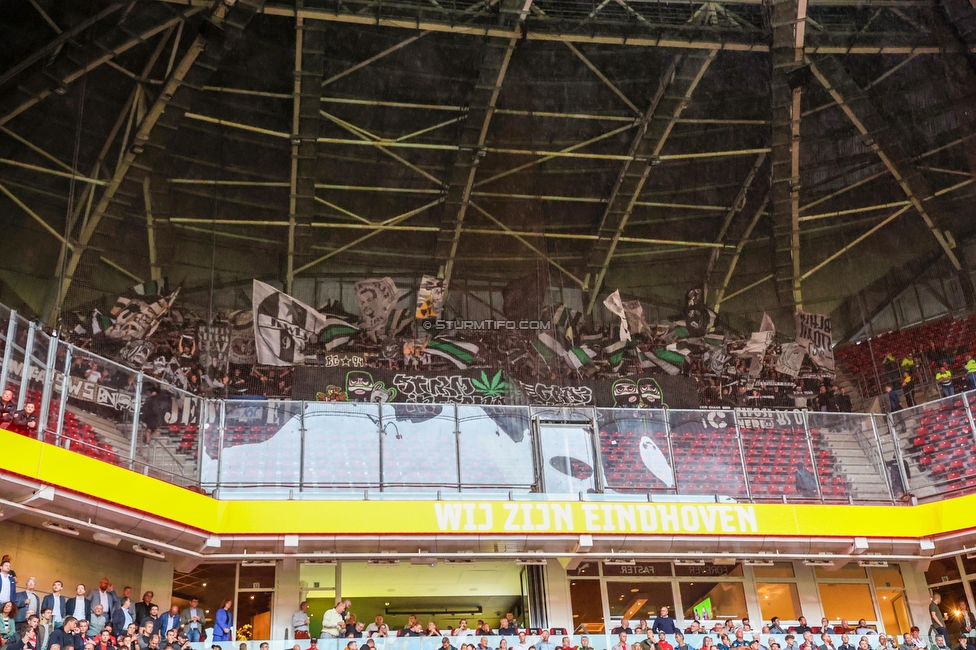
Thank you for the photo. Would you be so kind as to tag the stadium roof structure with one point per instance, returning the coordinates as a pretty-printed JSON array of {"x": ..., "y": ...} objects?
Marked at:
[{"x": 786, "y": 153}]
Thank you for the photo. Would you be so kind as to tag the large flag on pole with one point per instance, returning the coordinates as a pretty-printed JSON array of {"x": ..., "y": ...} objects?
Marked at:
[{"x": 284, "y": 327}]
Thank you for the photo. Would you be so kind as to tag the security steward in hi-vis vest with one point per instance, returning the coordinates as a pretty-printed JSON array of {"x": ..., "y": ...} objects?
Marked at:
[
  {"x": 944, "y": 378},
  {"x": 971, "y": 373}
]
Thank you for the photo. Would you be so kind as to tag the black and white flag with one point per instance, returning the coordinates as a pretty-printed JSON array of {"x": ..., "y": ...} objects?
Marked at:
[{"x": 284, "y": 327}]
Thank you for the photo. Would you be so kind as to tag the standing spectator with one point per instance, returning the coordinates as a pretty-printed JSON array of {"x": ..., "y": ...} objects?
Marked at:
[
  {"x": 170, "y": 620},
  {"x": 105, "y": 597},
  {"x": 971, "y": 373},
  {"x": 648, "y": 643},
  {"x": 193, "y": 619},
  {"x": 8, "y": 581},
  {"x": 122, "y": 616},
  {"x": 56, "y": 603},
  {"x": 331, "y": 621},
  {"x": 223, "y": 624},
  {"x": 966, "y": 620},
  {"x": 944, "y": 379},
  {"x": 144, "y": 608},
  {"x": 908, "y": 388},
  {"x": 79, "y": 606},
  {"x": 621, "y": 643},
  {"x": 935, "y": 613},
  {"x": 845, "y": 643},
  {"x": 664, "y": 622},
  {"x": 679, "y": 642},
  {"x": 894, "y": 404},
  {"x": 544, "y": 642},
  {"x": 300, "y": 620},
  {"x": 28, "y": 602},
  {"x": 8, "y": 619}
]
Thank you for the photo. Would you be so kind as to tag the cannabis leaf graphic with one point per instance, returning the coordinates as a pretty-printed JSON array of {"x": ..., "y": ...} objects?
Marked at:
[{"x": 494, "y": 387}]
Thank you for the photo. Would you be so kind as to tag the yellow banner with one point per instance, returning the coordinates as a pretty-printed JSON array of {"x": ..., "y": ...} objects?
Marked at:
[{"x": 64, "y": 469}]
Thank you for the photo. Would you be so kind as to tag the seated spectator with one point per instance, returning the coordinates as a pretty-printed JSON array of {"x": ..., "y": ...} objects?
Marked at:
[
  {"x": 862, "y": 628},
  {"x": 25, "y": 421},
  {"x": 808, "y": 643},
  {"x": 863, "y": 644},
  {"x": 623, "y": 627},
  {"x": 843, "y": 627},
  {"x": 446, "y": 644},
  {"x": 707, "y": 643},
  {"x": 432, "y": 629},
  {"x": 940, "y": 643},
  {"x": 774, "y": 626},
  {"x": 679, "y": 642},
  {"x": 802, "y": 627},
  {"x": 502, "y": 644},
  {"x": 694, "y": 628},
  {"x": 483, "y": 644},
  {"x": 621, "y": 642},
  {"x": 790, "y": 642},
  {"x": 504, "y": 630},
  {"x": 740, "y": 640},
  {"x": 845, "y": 642},
  {"x": 662, "y": 641},
  {"x": 462, "y": 628},
  {"x": 8, "y": 406},
  {"x": 97, "y": 621},
  {"x": 963, "y": 642},
  {"x": 907, "y": 642},
  {"x": 826, "y": 644},
  {"x": 883, "y": 643},
  {"x": 724, "y": 643},
  {"x": 649, "y": 643}
]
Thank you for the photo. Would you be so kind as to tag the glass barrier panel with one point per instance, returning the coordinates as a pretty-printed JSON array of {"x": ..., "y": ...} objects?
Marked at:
[
  {"x": 900, "y": 479},
  {"x": 777, "y": 455},
  {"x": 262, "y": 446},
  {"x": 849, "y": 463},
  {"x": 706, "y": 454},
  {"x": 98, "y": 413},
  {"x": 15, "y": 367},
  {"x": 342, "y": 446},
  {"x": 419, "y": 446},
  {"x": 495, "y": 447},
  {"x": 635, "y": 451},
  {"x": 209, "y": 447},
  {"x": 167, "y": 446},
  {"x": 937, "y": 442}
]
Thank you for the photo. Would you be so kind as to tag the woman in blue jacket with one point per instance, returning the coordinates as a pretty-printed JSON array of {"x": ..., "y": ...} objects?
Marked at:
[{"x": 223, "y": 626}]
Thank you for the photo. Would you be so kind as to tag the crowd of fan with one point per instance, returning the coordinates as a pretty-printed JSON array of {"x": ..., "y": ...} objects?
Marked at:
[
  {"x": 98, "y": 620},
  {"x": 339, "y": 623}
]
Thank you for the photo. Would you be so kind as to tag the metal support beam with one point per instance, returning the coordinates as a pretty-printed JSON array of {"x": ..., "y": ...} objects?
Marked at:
[
  {"x": 309, "y": 70},
  {"x": 218, "y": 34},
  {"x": 474, "y": 132},
  {"x": 145, "y": 21},
  {"x": 155, "y": 271},
  {"x": 788, "y": 18},
  {"x": 734, "y": 261},
  {"x": 672, "y": 96},
  {"x": 880, "y": 135}
]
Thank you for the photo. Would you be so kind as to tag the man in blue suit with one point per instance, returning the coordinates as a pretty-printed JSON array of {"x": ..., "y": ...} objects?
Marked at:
[
  {"x": 79, "y": 606},
  {"x": 122, "y": 617},
  {"x": 170, "y": 620},
  {"x": 8, "y": 581},
  {"x": 27, "y": 602},
  {"x": 56, "y": 603}
]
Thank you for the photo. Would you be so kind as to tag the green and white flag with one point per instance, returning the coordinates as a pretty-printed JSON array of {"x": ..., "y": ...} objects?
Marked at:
[{"x": 460, "y": 353}]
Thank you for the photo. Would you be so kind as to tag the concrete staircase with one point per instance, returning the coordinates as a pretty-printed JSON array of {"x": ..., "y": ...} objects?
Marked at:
[{"x": 857, "y": 460}]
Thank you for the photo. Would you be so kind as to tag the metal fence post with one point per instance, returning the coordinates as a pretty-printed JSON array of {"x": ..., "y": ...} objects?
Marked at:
[
  {"x": 52, "y": 359},
  {"x": 25, "y": 372},
  {"x": 813, "y": 457},
  {"x": 8, "y": 348},
  {"x": 301, "y": 447},
  {"x": 667, "y": 434},
  {"x": 136, "y": 410},
  {"x": 457, "y": 447},
  {"x": 204, "y": 424},
  {"x": 599, "y": 478},
  {"x": 220, "y": 446},
  {"x": 742, "y": 454},
  {"x": 65, "y": 386},
  {"x": 898, "y": 455},
  {"x": 884, "y": 467},
  {"x": 379, "y": 435},
  {"x": 969, "y": 415}
]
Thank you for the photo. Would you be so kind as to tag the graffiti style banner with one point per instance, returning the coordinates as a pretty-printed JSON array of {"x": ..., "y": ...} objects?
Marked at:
[{"x": 344, "y": 384}]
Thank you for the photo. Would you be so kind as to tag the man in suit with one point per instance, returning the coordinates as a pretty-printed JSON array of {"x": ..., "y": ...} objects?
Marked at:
[
  {"x": 65, "y": 636},
  {"x": 193, "y": 620},
  {"x": 105, "y": 596},
  {"x": 56, "y": 603},
  {"x": 8, "y": 581},
  {"x": 143, "y": 607},
  {"x": 122, "y": 617},
  {"x": 27, "y": 602},
  {"x": 170, "y": 620},
  {"x": 79, "y": 606}
]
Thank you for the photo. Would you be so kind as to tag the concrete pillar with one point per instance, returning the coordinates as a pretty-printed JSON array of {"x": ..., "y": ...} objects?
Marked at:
[
  {"x": 287, "y": 598},
  {"x": 560, "y": 602},
  {"x": 157, "y": 577}
]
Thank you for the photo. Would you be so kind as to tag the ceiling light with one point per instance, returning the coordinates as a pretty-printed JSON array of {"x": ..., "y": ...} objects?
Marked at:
[
  {"x": 382, "y": 562},
  {"x": 319, "y": 562},
  {"x": 818, "y": 562},
  {"x": 531, "y": 562},
  {"x": 758, "y": 562},
  {"x": 151, "y": 552},
  {"x": 615, "y": 562},
  {"x": 878, "y": 564},
  {"x": 258, "y": 563},
  {"x": 458, "y": 561},
  {"x": 61, "y": 528},
  {"x": 105, "y": 538},
  {"x": 689, "y": 562}
]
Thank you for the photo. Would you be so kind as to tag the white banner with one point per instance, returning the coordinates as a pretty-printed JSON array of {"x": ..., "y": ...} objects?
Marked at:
[
  {"x": 284, "y": 327},
  {"x": 813, "y": 332},
  {"x": 790, "y": 359}
]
